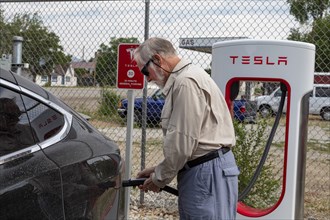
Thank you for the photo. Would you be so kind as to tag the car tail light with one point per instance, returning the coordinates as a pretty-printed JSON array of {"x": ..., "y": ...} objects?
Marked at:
[
  {"x": 120, "y": 104},
  {"x": 242, "y": 109}
]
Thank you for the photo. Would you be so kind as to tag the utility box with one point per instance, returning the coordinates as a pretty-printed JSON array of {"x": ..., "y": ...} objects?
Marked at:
[{"x": 5, "y": 61}]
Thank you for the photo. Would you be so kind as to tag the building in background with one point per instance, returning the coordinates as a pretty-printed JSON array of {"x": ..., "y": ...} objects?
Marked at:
[{"x": 62, "y": 75}]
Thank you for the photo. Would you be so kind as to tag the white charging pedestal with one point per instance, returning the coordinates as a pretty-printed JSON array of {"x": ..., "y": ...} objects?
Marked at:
[{"x": 287, "y": 62}]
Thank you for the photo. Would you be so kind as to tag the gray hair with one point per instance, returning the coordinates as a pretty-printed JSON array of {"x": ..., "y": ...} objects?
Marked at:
[{"x": 152, "y": 46}]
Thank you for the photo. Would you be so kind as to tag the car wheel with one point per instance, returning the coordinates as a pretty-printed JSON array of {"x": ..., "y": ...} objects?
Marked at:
[
  {"x": 138, "y": 117},
  {"x": 265, "y": 111},
  {"x": 325, "y": 114}
]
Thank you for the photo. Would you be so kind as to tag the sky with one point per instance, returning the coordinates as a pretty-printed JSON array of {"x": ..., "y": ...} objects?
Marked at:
[{"x": 83, "y": 25}]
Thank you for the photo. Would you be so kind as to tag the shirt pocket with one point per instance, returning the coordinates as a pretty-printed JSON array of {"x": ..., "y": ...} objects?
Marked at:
[{"x": 165, "y": 117}]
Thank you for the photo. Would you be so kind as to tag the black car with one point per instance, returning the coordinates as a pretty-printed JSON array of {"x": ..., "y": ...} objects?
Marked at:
[{"x": 53, "y": 163}]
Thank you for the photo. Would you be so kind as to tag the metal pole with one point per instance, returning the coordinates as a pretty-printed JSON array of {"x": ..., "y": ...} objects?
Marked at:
[
  {"x": 129, "y": 141},
  {"x": 144, "y": 103},
  {"x": 301, "y": 162},
  {"x": 17, "y": 54}
]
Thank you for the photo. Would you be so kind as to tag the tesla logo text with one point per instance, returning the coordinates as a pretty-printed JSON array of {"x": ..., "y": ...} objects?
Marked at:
[
  {"x": 259, "y": 60},
  {"x": 130, "y": 51},
  {"x": 133, "y": 63}
]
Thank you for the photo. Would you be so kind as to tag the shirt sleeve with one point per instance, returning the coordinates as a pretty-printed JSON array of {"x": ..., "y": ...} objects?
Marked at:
[{"x": 183, "y": 131}]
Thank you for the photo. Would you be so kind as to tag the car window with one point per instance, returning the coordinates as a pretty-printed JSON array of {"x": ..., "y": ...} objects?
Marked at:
[
  {"x": 15, "y": 130},
  {"x": 158, "y": 95},
  {"x": 322, "y": 91},
  {"x": 45, "y": 121},
  {"x": 25, "y": 121},
  {"x": 278, "y": 93}
]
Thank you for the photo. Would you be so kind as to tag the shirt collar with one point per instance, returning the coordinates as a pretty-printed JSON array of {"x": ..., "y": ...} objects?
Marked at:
[{"x": 171, "y": 79}]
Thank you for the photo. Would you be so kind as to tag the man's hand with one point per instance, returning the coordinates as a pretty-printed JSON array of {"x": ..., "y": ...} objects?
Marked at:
[
  {"x": 148, "y": 184},
  {"x": 146, "y": 172}
]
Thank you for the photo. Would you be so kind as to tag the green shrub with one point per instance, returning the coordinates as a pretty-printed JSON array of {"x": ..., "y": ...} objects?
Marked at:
[
  {"x": 250, "y": 145},
  {"x": 108, "y": 104},
  {"x": 47, "y": 84},
  {"x": 258, "y": 91}
]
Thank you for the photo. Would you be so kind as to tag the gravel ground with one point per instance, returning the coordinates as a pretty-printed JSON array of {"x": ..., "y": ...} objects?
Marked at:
[
  {"x": 164, "y": 206},
  {"x": 161, "y": 206}
]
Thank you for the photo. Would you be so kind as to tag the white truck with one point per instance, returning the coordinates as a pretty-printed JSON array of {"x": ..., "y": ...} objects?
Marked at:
[{"x": 319, "y": 102}]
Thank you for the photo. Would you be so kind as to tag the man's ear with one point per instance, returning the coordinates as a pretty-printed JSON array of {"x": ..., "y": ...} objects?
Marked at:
[{"x": 157, "y": 59}]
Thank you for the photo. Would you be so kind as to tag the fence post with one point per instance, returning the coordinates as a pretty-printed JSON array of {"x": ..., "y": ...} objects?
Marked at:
[
  {"x": 17, "y": 54},
  {"x": 144, "y": 103}
]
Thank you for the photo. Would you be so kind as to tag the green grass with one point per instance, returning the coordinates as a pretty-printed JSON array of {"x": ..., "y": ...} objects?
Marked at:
[
  {"x": 313, "y": 120},
  {"x": 318, "y": 146},
  {"x": 278, "y": 144},
  {"x": 312, "y": 144}
]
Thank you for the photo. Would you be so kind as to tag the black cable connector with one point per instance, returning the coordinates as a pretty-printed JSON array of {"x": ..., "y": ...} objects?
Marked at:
[{"x": 140, "y": 181}]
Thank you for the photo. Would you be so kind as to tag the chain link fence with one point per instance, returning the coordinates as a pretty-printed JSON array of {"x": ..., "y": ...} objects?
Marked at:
[{"x": 71, "y": 49}]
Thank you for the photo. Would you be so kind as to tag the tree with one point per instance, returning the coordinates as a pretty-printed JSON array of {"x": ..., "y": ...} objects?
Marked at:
[
  {"x": 320, "y": 36},
  {"x": 106, "y": 67},
  {"x": 305, "y": 10},
  {"x": 41, "y": 47},
  {"x": 316, "y": 13},
  {"x": 5, "y": 36}
]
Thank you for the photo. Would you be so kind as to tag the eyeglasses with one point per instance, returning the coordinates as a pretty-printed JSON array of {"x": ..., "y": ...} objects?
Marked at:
[{"x": 144, "y": 70}]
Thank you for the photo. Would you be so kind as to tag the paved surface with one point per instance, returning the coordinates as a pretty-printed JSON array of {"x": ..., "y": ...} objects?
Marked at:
[
  {"x": 119, "y": 134},
  {"x": 88, "y": 99}
]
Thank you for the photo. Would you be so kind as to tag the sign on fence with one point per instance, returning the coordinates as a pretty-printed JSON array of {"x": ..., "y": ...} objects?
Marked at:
[{"x": 128, "y": 74}]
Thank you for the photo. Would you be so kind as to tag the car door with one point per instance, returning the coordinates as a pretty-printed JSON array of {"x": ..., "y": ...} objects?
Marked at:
[
  {"x": 276, "y": 100},
  {"x": 90, "y": 171},
  {"x": 319, "y": 99},
  {"x": 155, "y": 105},
  {"x": 90, "y": 164},
  {"x": 313, "y": 105},
  {"x": 30, "y": 183}
]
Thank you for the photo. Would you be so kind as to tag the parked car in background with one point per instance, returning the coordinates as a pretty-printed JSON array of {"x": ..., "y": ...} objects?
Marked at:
[
  {"x": 267, "y": 105},
  {"x": 53, "y": 163},
  {"x": 155, "y": 104},
  {"x": 244, "y": 111},
  {"x": 319, "y": 102}
]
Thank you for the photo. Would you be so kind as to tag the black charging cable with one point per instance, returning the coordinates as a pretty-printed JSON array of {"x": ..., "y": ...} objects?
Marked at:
[
  {"x": 140, "y": 181},
  {"x": 256, "y": 174}
]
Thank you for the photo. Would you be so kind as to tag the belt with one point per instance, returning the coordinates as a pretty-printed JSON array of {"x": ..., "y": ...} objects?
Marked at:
[{"x": 207, "y": 157}]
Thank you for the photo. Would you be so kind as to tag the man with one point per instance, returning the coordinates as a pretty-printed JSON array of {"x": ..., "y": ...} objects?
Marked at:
[
  {"x": 13, "y": 136},
  {"x": 198, "y": 135}
]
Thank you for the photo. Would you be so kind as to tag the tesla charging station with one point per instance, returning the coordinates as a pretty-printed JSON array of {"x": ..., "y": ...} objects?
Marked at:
[{"x": 290, "y": 64}]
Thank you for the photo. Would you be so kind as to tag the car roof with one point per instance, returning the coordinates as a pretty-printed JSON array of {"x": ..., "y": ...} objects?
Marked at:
[
  {"x": 321, "y": 85},
  {"x": 23, "y": 82},
  {"x": 6, "y": 75}
]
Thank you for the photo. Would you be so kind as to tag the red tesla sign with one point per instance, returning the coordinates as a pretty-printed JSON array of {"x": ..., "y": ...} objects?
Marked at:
[{"x": 128, "y": 74}]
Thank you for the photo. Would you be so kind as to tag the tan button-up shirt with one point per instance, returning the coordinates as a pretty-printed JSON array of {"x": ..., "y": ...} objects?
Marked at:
[{"x": 195, "y": 120}]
